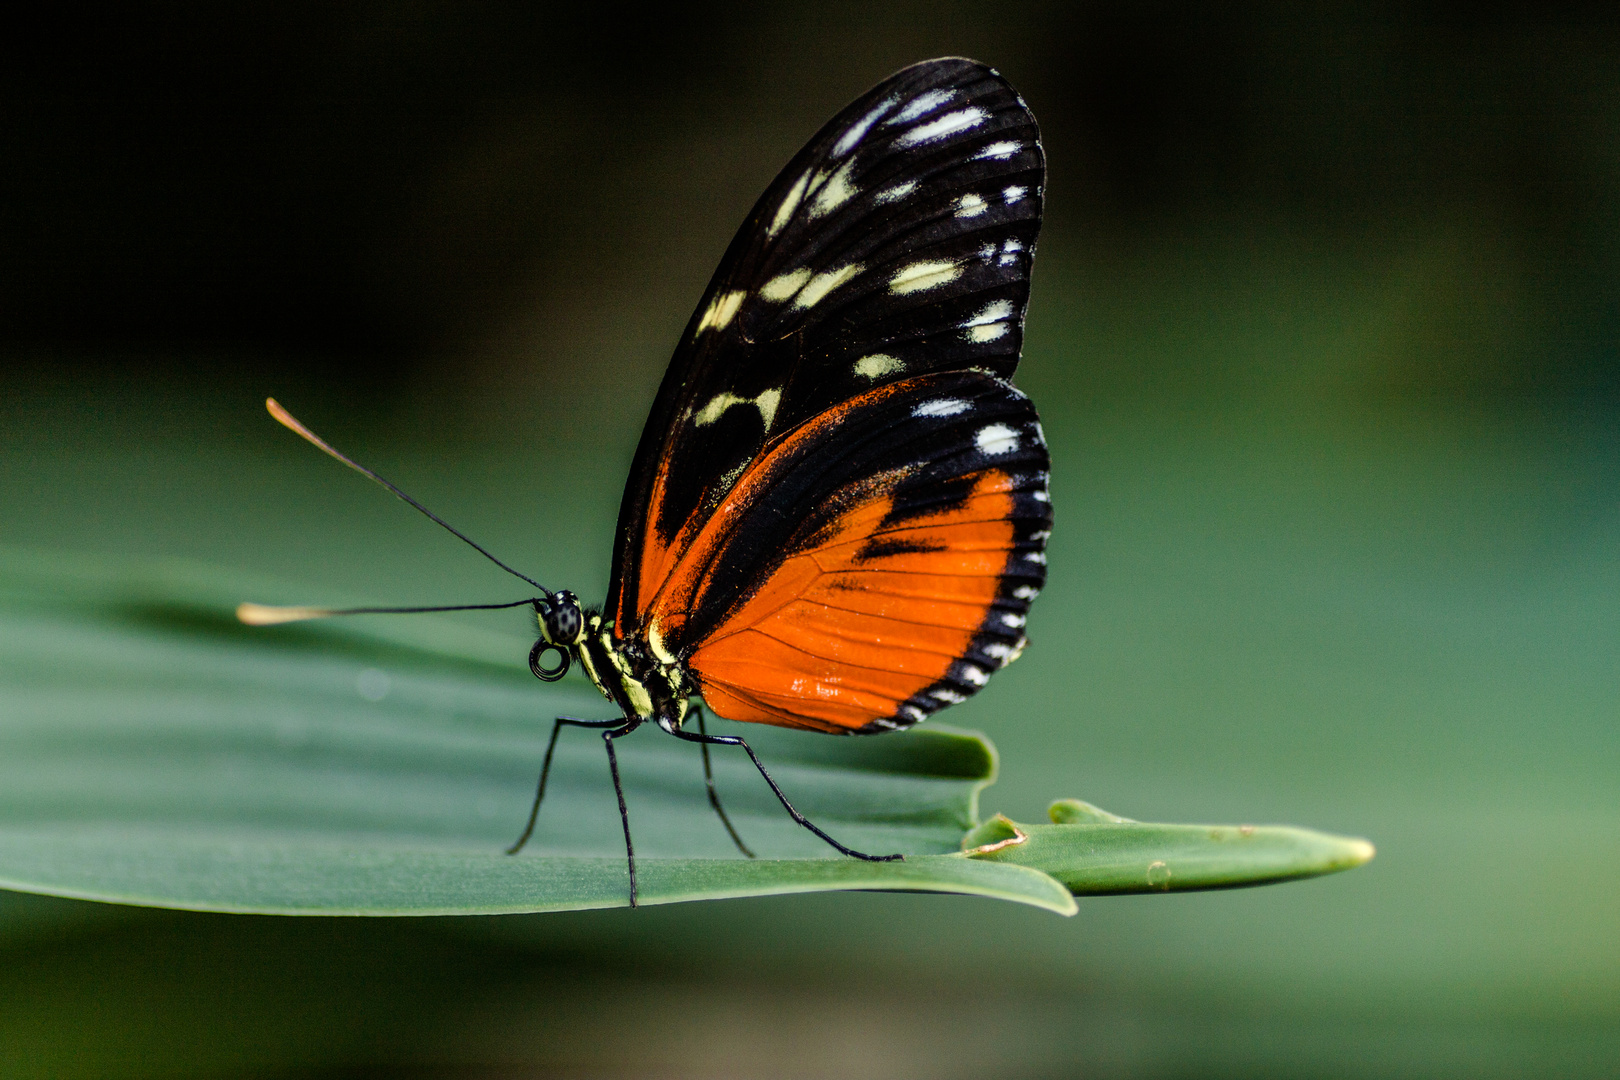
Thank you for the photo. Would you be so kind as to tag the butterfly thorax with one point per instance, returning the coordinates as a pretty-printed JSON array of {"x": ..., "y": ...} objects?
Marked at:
[{"x": 631, "y": 677}]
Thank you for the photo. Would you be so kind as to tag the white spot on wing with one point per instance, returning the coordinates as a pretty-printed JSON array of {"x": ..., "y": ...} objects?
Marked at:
[
  {"x": 1012, "y": 620},
  {"x": 970, "y": 205},
  {"x": 1014, "y": 193},
  {"x": 1026, "y": 592},
  {"x": 949, "y": 124},
  {"x": 783, "y": 286},
  {"x": 1037, "y": 557},
  {"x": 975, "y": 675},
  {"x": 790, "y": 203},
  {"x": 836, "y": 193},
  {"x": 988, "y": 324},
  {"x": 997, "y": 150},
  {"x": 1041, "y": 534},
  {"x": 941, "y": 407},
  {"x": 896, "y": 193},
  {"x": 824, "y": 283},
  {"x": 722, "y": 309},
  {"x": 1003, "y": 653},
  {"x": 995, "y": 311},
  {"x": 922, "y": 104},
  {"x": 924, "y": 275},
  {"x": 1040, "y": 496},
  {"x": 878, "y": 365},
  {"x": 857, "y": 131},
  {"x": 913, "y": 713},
  {"x": 996, "y": 439},
  {"x": 716, "y": 407},
  {"x": 767, "y": 402},
  {"x": 949, "y": 697}
]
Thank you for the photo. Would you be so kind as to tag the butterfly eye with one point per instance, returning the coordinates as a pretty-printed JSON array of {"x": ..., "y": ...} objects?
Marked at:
[
  {"x": 537, "y": 661},
  {"x": 561, "y": 621}
]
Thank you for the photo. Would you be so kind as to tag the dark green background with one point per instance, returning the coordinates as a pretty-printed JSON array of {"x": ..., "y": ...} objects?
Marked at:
[{"x": 1326, "y": 338}]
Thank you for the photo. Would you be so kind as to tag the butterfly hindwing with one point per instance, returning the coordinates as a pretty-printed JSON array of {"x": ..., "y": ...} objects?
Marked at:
[
  {"x": 896, "y": 244},
  {"x": 871, "y": 567}
]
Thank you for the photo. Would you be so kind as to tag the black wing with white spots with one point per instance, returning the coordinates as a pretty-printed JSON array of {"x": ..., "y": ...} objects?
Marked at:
[{"x": 897, "y": 243}]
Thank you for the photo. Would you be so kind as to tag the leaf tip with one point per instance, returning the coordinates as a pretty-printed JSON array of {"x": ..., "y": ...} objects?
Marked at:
[
  {"x": 997, "y": 834},
  {"x": 998, "y": 839}
]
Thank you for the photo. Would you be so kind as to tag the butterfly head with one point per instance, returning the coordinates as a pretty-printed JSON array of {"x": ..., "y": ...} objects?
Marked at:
[
  {"x": 562, "y": 622},
  {"x": 562, "y": 627}
]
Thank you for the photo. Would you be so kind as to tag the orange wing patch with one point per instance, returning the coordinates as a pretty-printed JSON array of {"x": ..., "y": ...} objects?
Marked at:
[
  {"x": 844, "y": 631},
  {"x": 657, "y": 557},
  {"x": 873, "y": 565}
]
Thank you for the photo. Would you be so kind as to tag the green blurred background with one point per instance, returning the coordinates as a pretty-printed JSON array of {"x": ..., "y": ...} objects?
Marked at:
[{"x": 1326, "y": 338}]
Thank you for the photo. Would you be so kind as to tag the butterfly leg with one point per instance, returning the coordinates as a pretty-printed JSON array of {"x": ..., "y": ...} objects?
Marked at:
[
  {"x": 708, "y": 778},
  {"x": 545, "y": 771},
  {"x": 734, "y": 740},
  {"x": 618, "y": 789}
]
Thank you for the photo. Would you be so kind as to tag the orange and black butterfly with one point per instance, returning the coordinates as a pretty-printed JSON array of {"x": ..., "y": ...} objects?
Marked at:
[{"x": 837, "y": 515}]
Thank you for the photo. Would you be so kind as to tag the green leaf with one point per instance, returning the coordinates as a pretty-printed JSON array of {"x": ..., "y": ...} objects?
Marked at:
[
  {"x": 1093, "y": 852},
  {"x": 155, "y": 751}
]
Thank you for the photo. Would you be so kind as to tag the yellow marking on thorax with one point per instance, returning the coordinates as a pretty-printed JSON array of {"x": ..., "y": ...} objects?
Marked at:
[
  {"x": 640, "y": 700},
  {"x": 591, "y": 672},
  {"x": 655, "y": 642}
]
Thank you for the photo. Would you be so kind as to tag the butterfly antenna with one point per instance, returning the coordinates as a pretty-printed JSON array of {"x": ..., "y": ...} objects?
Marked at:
[
  {"x": 270, "y": 615},
  {"x": 291, "y": 423}
]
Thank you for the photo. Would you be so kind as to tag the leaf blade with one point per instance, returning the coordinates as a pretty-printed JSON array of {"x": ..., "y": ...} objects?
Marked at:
[
  {"x": 260, "y": 876},
  {"x": 152, "y": 751}
]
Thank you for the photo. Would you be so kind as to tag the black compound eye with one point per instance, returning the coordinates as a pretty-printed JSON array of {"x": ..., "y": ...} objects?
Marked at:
[{"x": 564, "y": 622}]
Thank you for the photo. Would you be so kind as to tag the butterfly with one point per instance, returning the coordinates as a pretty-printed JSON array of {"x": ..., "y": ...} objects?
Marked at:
[{"x": 837, "y": 515}]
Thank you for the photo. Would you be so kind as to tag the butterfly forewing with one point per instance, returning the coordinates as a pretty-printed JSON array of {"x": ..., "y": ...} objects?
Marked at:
[
  {"x": 896, "y": 244},
  {"x": 872, "y": 566}
]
